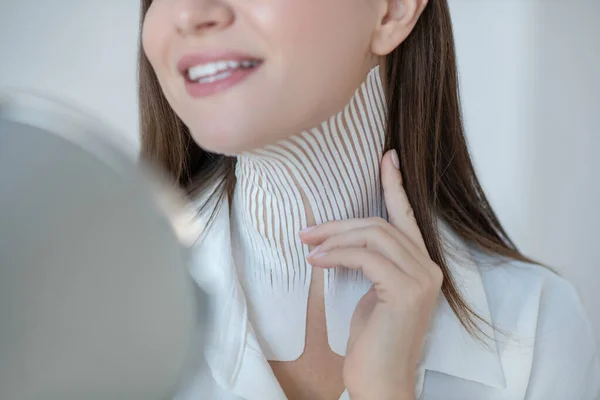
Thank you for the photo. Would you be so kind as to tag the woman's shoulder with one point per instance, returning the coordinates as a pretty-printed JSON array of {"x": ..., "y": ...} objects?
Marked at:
[
  {"x": 518, "y": 280},
  {"x": 512, "y": 286},
  {"x": 564, "y": 361}
]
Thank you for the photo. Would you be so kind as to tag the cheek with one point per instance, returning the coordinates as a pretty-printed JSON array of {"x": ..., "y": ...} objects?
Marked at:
[
  {"x": 157, "y": 37},
  {"x": 306, "y": 43},
  {"x": 317, "y": 45},
  {"x": 153, "y": 36},
  {"x": 323, "y": 30}
]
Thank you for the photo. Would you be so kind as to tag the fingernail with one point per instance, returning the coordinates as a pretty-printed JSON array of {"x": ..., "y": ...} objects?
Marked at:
[
  {"x": 308, "y": 229},
  {"x": 395, "y": 159},
  {"x": 314, "y": 251},
  {"x": 319, "y": 255}
]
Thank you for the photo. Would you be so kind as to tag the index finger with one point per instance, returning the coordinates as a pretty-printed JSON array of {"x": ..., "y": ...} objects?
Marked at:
[{"x": 400, "y": 211}]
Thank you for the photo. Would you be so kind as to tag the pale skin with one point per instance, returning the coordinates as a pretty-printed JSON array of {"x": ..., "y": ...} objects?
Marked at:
[
  {"x": 389, "y": 323},
  {"x": 304, "y": 46}
]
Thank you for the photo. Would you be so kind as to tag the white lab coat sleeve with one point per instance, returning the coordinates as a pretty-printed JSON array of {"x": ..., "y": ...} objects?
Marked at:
[{"x": 565, "y": 363}]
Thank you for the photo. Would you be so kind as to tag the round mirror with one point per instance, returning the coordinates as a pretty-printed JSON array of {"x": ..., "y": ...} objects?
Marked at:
[{"x": 95, "y": 299}]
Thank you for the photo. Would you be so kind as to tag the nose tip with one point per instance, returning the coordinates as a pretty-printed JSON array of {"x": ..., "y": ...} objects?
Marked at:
[{"x": 194, "y": 17}]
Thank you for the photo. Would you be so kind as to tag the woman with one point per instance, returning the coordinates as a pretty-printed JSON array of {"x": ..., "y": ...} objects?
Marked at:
[{"x": 325, "y": 258}]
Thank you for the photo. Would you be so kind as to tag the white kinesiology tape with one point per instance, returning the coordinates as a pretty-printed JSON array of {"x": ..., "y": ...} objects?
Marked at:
[{"x": 331, "y": 171}]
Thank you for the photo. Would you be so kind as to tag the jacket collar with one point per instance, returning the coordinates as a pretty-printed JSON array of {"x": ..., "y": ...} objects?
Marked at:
[{"x": 448, "y": 347}]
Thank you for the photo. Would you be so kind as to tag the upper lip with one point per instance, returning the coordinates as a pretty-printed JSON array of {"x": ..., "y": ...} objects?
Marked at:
[{"x": 190, "y": 60}]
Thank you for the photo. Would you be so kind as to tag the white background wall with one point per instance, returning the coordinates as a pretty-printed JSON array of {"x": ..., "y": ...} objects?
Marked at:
[{"x": 530, "y": 72}]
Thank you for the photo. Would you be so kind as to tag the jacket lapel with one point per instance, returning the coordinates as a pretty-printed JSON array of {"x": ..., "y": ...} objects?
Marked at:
[
  {"x": 449, "y": 348},
  {"x": 212, "y": 268},
  {"x": 231, "y": 350}
]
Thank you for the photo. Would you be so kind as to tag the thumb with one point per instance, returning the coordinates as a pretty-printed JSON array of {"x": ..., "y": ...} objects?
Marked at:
[{"x": 400, "y": 211}]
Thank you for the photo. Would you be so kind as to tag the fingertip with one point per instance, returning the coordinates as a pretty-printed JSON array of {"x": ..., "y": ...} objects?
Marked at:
[
  {"x": 309, "y": 238},
  {"x": 387, "y": 157},
  {"x": 313, "y": 253},
  {"x": 390, "y": 166},
  {"x": 395, "y": 159},
  {"x": 391, "y": 160},
  {"x": 308, "y": 229},
  {"x": 304, "y": 233}
]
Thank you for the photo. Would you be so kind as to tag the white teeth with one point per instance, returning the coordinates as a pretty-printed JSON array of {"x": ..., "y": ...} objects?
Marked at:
[
  {"x": 214, "y": 78},
  {"x": 205, "y": 72}
]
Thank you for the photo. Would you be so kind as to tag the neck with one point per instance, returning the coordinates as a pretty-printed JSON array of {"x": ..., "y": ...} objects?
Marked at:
[
  {"x": 330, "y": 172},
  {"x": 333, "y": 169}
]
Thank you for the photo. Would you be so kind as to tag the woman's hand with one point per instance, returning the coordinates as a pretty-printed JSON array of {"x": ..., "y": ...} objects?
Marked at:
[{"x": 390, "y": 321}]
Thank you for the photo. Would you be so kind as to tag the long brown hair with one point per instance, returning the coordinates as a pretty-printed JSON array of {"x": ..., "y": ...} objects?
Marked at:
[{"x": 424, "y": 125}]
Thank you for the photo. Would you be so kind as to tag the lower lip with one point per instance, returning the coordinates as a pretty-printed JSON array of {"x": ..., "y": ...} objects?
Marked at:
[{"x": 197, "y": 90}]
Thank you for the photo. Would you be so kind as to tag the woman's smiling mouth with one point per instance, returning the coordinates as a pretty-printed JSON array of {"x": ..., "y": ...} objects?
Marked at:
[{"x": 207, "y": 74}]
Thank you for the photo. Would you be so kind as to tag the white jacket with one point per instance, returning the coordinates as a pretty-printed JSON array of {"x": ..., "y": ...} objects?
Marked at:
[{"x": 547, "y": 352}]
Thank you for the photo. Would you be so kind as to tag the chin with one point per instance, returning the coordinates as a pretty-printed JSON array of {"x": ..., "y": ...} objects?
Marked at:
[{"x": 229, "y": 141}]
